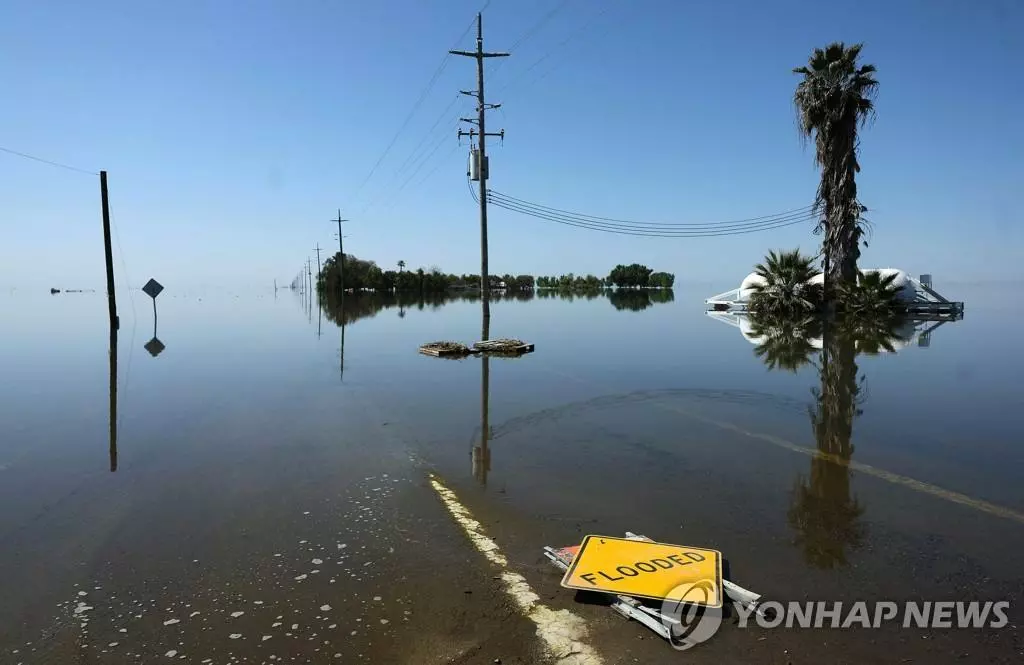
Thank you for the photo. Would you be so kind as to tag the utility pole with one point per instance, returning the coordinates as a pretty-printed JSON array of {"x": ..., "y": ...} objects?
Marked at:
[
  {"x": 309, "y": 296},
  {"x": 320, "y": 272},
  {"x": 481, "y": 163},
  {"x": 341, "y": 251},
  {"x": 111, "y": 296}
]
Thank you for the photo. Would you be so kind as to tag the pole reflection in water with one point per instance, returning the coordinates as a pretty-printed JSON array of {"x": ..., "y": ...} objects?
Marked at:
[
  {"x": 154, "y": 346},
  {"x": 341, "y": 352},
  {"x": 113, "y": 398},
  {"x": 481, "y": 454}
]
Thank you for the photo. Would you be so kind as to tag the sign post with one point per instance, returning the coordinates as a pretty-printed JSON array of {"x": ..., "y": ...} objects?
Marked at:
[{"x": 153, "y": 289}]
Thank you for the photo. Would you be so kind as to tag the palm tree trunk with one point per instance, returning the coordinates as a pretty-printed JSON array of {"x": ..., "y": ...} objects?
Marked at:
[{"x": 842, "y": 225}]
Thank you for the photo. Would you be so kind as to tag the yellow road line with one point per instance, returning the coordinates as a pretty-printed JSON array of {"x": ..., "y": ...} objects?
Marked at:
[
  {"x": 895, "y": 478},
  {"x": 562, "y": 632}
]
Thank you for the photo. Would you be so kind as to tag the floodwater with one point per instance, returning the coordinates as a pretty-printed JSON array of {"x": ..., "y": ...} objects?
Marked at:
[{"x": 263, "y": 494}]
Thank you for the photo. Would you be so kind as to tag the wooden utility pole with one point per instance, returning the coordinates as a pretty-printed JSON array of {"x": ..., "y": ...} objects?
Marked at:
[
  {"x": 341, "y": 251},
  {"x": 108, "y": 252},
  {"x": 481, "y": 164},
  {"x": 319, "y": 273}
]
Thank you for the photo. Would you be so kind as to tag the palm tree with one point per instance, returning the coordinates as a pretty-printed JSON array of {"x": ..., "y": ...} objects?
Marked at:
[
  {"x": 832, "y": 101},
  {"x": 401, "y": 266},
  {"x": 872, "y": 295},
  {"x": 785, "y": 289}
]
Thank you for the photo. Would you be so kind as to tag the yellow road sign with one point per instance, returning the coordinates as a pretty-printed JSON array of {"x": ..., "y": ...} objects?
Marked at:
[{"x": 648, "y": 570}]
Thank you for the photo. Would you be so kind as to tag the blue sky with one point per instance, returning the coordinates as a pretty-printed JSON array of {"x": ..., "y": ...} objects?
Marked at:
[{"x": 233, "y": 131}]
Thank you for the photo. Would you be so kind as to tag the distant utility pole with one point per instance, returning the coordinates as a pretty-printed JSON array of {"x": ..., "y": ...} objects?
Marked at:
[
  {"x": 318, "y": 271},
  {"x": 481, "y": 155},
  {"x": 341, "y": 251}
]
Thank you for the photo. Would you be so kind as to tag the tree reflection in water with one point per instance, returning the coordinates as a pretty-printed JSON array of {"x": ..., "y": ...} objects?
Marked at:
[
  {"x": 823, "y": 512},
  {"x": 356, "y": 306}
]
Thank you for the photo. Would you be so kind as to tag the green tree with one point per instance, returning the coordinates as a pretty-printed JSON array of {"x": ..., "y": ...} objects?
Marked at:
[
  {"x": 633, "y": 275},
  {"x": 784, "y": 291},
  {"x": 662, "y": 280},
  {"x": 401, "y": 266},
  {"x": 835, "y": 98}
]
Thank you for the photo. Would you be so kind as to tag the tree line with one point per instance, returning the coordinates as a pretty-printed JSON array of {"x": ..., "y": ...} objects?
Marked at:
[
  {"x": 361, "y": 274},
  {"x": 634, "y": 275}
]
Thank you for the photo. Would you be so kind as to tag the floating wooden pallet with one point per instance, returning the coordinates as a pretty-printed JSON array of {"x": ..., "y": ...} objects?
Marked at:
[
  {"x": 444, "y": 353},
  {"x": 483, "y": 347}
]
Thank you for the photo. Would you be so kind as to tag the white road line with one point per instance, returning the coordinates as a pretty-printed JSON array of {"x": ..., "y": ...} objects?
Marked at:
[{"x": 562, "y": 632}]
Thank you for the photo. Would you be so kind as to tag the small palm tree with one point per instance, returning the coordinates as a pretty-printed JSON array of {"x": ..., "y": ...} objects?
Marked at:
[
  {"x": 871, "y": 296},
  {"x": 401, "y": 266},
  {"x": 785, "y": 290},
  {"x": 833, "y": 99}
]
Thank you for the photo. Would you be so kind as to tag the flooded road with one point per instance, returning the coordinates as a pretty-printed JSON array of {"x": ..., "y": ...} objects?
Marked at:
[{"x": 273, "y": 497}]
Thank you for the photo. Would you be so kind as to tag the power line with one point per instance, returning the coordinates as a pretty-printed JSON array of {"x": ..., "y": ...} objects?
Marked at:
[
  {"x": 434, "y": 170},
  {"x": 422, "y": 160},
  {"x": 551, "y": 51},
  {"x": 417, "y": 157},
  {"x": 47, "y": 161},
  {"x": 415, "y": 107},
  {"x": 765, "y": 226},
  {"x": 601, "y": 226},
  {"x": 430, "y": 131},
  {"x": 786, "y": 215},
  {"x": 530, "y": 32},
  {"x": 422, "y": 163}
]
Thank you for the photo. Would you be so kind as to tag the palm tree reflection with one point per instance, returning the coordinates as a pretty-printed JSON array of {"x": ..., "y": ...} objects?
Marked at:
[
  {"x": 785, "y": 345},
  {"x": 823, "y": 512}
]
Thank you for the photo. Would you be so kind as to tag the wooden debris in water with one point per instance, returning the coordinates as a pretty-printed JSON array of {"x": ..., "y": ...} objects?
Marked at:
[
  {"x": 445, "y": 349},
  {"x": 503, "y": 346}
]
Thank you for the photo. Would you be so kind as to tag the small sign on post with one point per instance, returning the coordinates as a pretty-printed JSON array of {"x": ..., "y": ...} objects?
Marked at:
[
  {"x": 646, "y": 569},
  {"x": 153, "y": 289}
]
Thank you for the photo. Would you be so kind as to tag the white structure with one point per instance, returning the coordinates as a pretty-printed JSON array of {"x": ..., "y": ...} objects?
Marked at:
[{"x": 916, "y": 293}]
